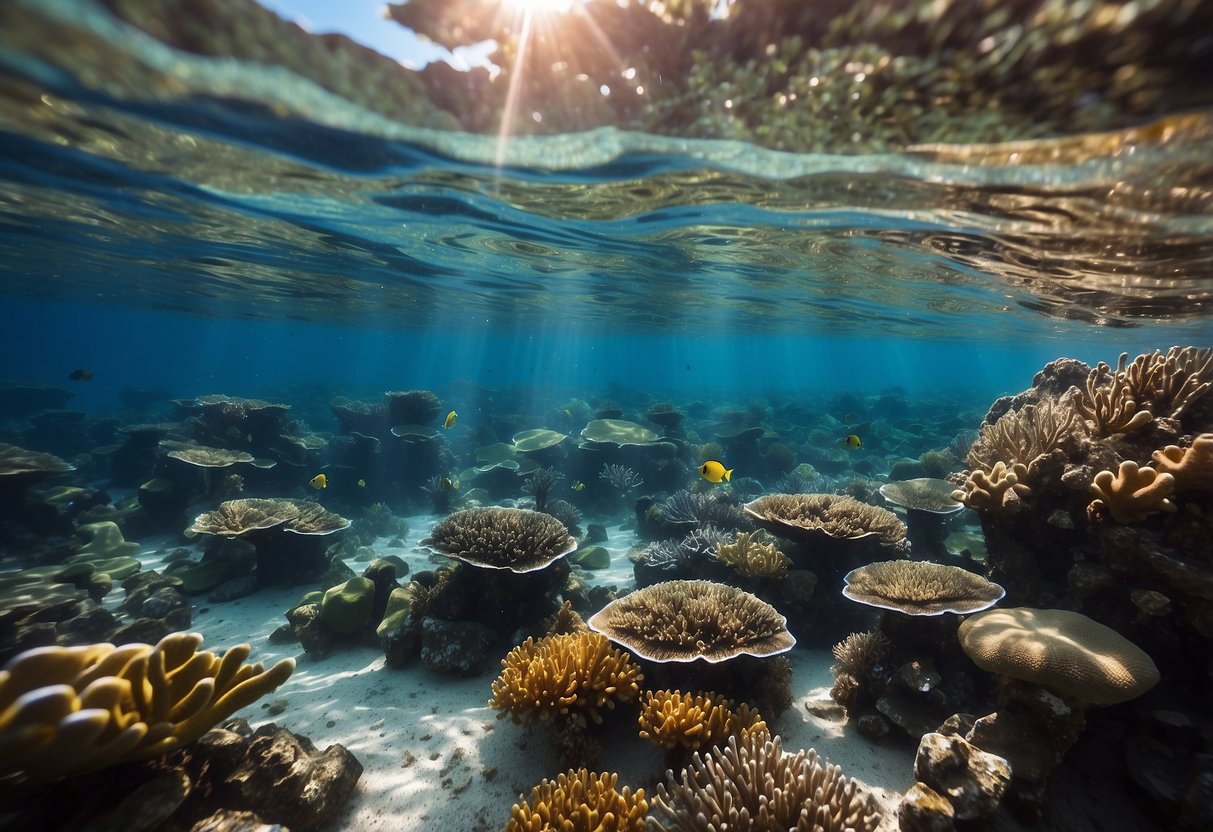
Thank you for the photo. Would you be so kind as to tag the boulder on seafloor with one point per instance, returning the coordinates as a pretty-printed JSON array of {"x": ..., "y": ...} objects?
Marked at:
[
  {"x": 346, "y": 608},
  {"x": 925, "y": 810},
  {"x": 972, "y": 780},
  {"x": 456, "y": 647}
]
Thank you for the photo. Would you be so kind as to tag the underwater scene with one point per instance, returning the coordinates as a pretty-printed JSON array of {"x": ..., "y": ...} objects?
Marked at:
[{"x": 595, "y": 415}]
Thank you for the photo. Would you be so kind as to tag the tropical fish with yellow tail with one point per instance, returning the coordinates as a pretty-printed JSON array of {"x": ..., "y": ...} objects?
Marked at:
[{"x": 714, "y": 471}]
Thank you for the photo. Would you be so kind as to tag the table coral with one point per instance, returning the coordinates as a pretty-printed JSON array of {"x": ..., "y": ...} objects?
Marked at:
[{"x": 69, "y": 710}]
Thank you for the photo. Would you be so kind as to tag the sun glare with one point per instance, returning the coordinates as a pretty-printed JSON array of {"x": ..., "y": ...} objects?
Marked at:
[{"x": 539, "y": 6}]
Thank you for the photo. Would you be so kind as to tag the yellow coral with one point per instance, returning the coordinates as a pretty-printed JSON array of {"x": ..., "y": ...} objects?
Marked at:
[
  {"x": 676, "y": 720},
  {"x": 69, "y": 710},
  {"x": 1191, "y": 467},
  {"x": 1130, "y": 495},
  {"x": 568, "y": 675},
  {"x": 579, "y": 801},
  {"x": 988, "y": 491},
  {"x": 751, "y": 557}
]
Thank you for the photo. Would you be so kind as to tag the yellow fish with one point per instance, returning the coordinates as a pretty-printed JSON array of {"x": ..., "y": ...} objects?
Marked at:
[
  {"x": 852, "y": 442},
  {"x": 319, "y": 481},
  {"x": 447, "y": 484},
  {"x": 713, "y": 471},
  {"x": 449, "y": 421},
  {"x": 362, "y": 483},
  {"x": 579, "y": 486}
]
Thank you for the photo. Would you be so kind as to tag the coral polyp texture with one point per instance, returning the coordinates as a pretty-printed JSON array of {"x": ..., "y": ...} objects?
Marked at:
[
  {"x": 751, "y": 557},
  {"x": 580, "y": 800},
  {"x": 1024, "y": 435},
  {"x": 805, "y": 517},
  {"x": 1063, "y": 651},
  {"x": 918, "y": 587},
  {"x": 1192, "y": 467},
  {"x": 516, "y": 539},
  {"x": 70, "y": 710},
  {"x": 751, "y": 783},
  {"x": 1131, "y": 494},
  {"x": 575, "y": 674},
  {"x": 673, "y": 720},
  {"x": 1169, "y": 383},
  {"x": 681, "y": 621}
]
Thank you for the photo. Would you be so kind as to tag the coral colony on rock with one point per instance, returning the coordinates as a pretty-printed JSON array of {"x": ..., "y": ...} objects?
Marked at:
[{"x": 699, "y": 415}]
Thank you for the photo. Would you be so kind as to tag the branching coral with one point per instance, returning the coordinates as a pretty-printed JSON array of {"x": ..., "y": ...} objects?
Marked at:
[
  {"x": 1192, "y": 467},
  {"x": 1109, "y": 402},
  {"x": 751, "y": 557},
  {"x": 576, "y": 674},
  {"x": 989, "y": 491},
  {"x": 1171, "y": 382},
  {"x": 752, "y": 784},
  {"x": 580, "y": 800},
  {"x": 676, "y": 721},
  {"x": 516, "y": 539},
  {"x": 69, "y": 710},
  {"x": 855, "y": 655},
  {"x": 621, "y": 478},
  {"x": 1131, "y": 494},
  {"x": 1024, "y": 435}
]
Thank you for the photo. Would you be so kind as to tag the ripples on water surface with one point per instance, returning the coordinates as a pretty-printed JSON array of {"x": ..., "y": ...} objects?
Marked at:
[{"x": 239, "y": 190}]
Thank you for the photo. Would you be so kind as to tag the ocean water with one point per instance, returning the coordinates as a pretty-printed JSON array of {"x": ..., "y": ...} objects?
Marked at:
[{"x": 235, "y": 229}]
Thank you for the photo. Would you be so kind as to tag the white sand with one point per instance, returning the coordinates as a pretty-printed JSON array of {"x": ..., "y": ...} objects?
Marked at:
[{"x": 436, "y": 757}]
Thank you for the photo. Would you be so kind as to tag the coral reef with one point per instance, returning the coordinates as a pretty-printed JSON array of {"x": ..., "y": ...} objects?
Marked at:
[
  {"x": 809, "y": 517},
  {"x": 516, "y": 539},
  {"x": 920, "y": 588},
  {"x": 1191, "y": 467},
  {"x": 855, "y": 657},
  {"x": 681, "y": 621},
  {"x": 681, "y": 723},
  {"x": 752, "y": 557},
  {"x": 753, "y": 784},
  {"x": 1109, "y": 402},
  {"x": 580, "y": 800},
  {"x": 992, "y": 490},
  {"x": 68, "y": 710}
]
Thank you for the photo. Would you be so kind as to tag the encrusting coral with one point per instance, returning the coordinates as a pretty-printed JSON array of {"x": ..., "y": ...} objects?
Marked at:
[
  {"x": 573, "y": 674},
  {"x": 752, "y": 784},
  {"x": 1192, "y": 467},
  {"x": 680, "y": 723},
  {"x": 580, "y": 800},
  {"x": 751, "y": 557},
  {"x": 1131, "y": 494},
  {"x": 70, "y": 710}
]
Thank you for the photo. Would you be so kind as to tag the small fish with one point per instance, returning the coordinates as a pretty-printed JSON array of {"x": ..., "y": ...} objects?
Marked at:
[
  {"x": 248, "y": 438},
  {"x": 448, "y": 484},
  {"x": 319, "y": 481},
  {"x": 578, "y": 486},
  {"x": 362, "y": 483},
  {"x": 449, "y": 421},
  {"x": 713, "y": 471},
  {"x": 852, "y": 442},
  {"x": 80, "y": 374}
]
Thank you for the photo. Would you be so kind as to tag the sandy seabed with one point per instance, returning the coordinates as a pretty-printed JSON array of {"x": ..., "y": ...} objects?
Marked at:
[{"x": 436, "y": 757}]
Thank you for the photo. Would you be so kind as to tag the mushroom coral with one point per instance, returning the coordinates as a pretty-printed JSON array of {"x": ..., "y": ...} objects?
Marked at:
[
  {"x": 752, "y": 784},
  {"x": 516, "y": 539},
  {"x": 681, "y": 621},
  {"x": 580, "y": 800},
  {"x": 569, "y": 675},
  {"x": 1060, "y": 650},
  {"x": 70, "y": 710}
]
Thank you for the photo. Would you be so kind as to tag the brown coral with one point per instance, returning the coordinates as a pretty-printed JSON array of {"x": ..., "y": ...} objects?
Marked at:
[
  {"x": 803, "y": 517},
  {"x": 580, "y": 800},
  {"x": 68, "y": 710},
  {"x": 576, "y": 674},
  {"x": 681, "y": 621},
  {"x": 858, "y": 653},
  {"x": 1192, "y": 467},
  {"x": 673, "y": 720},
  {"x": 1171, "y": 382},
  {"x": 1108, "y": 401},
  {"x": 989, "y": 491},
  {"x": 1131, "y": 494},
  {"x": 18, "y": 463},
  {"x": 516, "y": 539},
  {"x": 1024, "y": 435},
  {"x": 919, "y": 587},
  {"x": 751, "y": 557},
  {"x": 752, "y": 784}
]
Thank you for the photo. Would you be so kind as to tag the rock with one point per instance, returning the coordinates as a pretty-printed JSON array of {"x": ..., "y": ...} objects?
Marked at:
[
  {"x": 289, "y": 782},
  {"x": 972, "y": 780},
  {"x": 399, "y": 631},
  {"x": 283, "y": 634},
  {"x": 456, "y": 647},
  {"x": 222, "y": 749},
  {"x": 1151, "y": 602},
  {"x": 872, "y": 726},
  {"x": 924, "y": 810},
  {"x": 314, "y": 638},
  {"x": 595, "y": 533},
  {"x": 592, "y": 557},
  {"x": 1196, "y": 802},
  {"x": 364, "y": 553},
  {"x": 146, "y": 807},
  {"x": 826, "y": 709},
  {"x": 919, "y": 676},
  {"x": 163, "y": 601},
  {"x": 202, "y": 576},
  {"x": 232, "y": 589},
  {"x": 336, "y": 573},
  {"x": 909, "y": 713},
  {"x": 382, "y": 573},
  {"x": 395, "y": 543},
  {"x": 347, "y": 607},
  {"x": 228, "y": 820},
  {"x": 92, "y": 625},
  {"x": 1085, "y": 579},
  {"x": 140, "y": 631},
  {"x": 1157, "y": 768}
]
